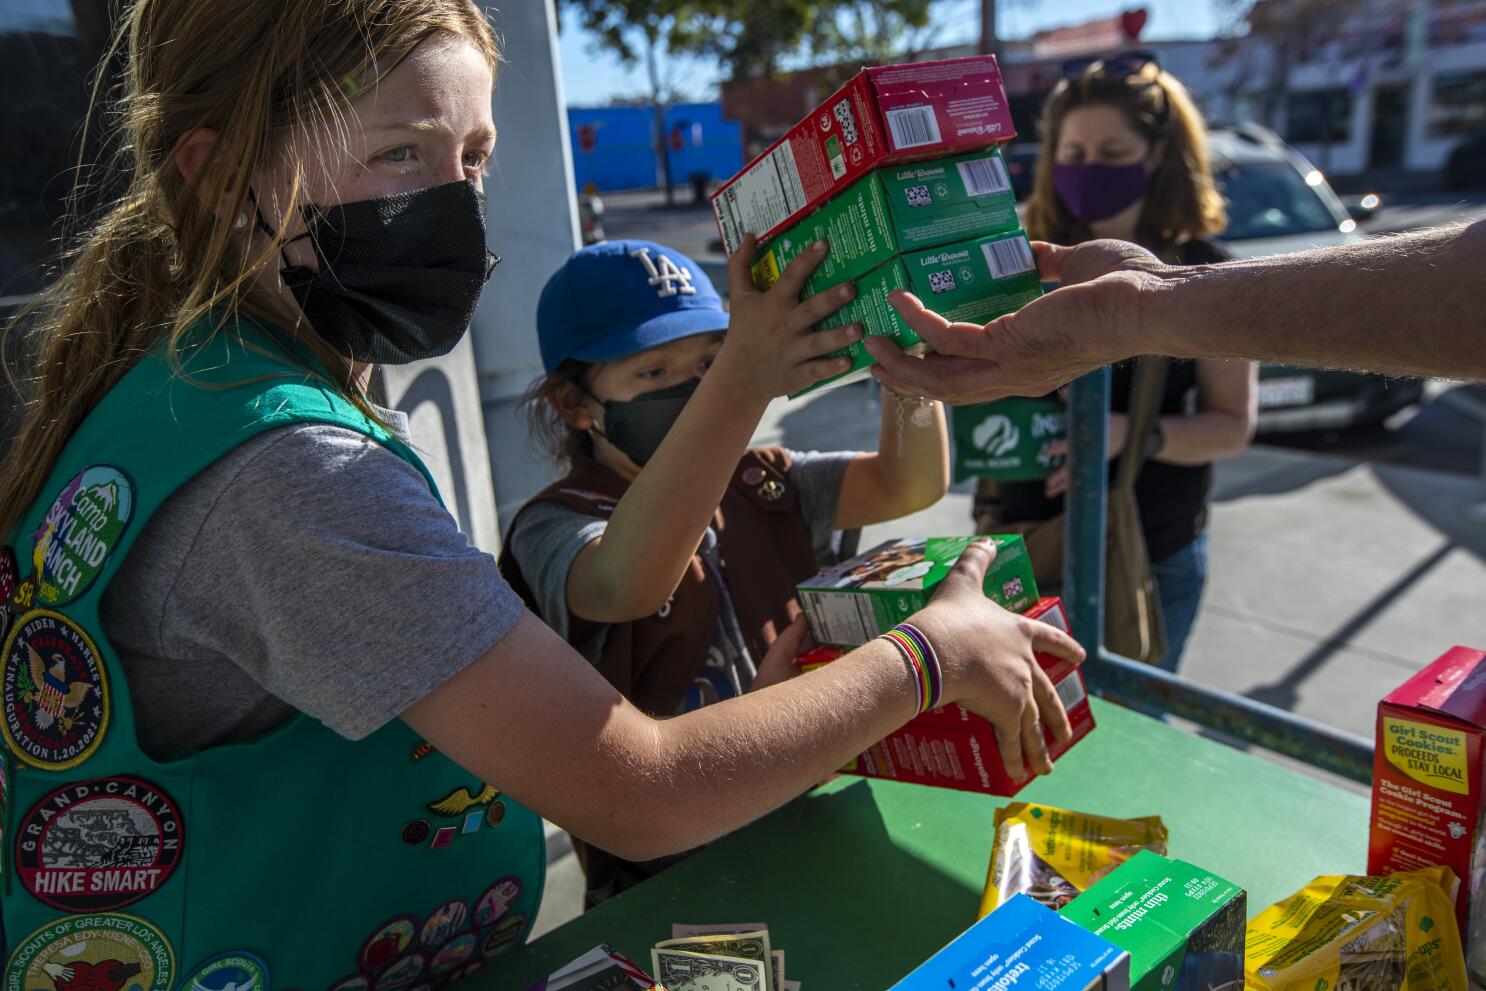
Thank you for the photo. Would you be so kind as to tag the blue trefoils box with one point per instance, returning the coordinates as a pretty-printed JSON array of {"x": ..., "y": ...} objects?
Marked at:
[{"x": 1023, "y": 945}]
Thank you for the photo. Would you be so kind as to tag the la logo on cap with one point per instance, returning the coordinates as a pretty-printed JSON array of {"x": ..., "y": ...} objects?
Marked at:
[{"x": 672, "y": 279}]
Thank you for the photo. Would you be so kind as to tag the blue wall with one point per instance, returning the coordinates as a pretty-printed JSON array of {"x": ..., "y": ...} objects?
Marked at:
[{"x": 622, "y": 157}]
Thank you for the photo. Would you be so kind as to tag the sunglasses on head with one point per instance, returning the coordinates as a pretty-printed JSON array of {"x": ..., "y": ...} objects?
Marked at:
[{"x": 1124, "y": 64}]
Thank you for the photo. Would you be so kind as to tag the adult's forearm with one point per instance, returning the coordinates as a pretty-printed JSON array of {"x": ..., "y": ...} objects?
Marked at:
[{"x": 1404, "y": 305}]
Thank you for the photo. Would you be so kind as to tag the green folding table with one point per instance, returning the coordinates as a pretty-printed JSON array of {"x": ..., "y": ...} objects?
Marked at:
[{"x": 862, "y": 880}]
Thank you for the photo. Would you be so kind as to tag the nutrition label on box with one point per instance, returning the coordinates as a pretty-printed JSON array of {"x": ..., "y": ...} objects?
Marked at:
[
  {"x": 769, "y": 192},
  {"x": 840, "y": 617}
]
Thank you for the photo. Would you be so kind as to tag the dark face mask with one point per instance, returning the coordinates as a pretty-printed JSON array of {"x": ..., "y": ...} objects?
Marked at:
[
  {"x": 637, "y": 426},
  {"x": 399, "y": 275}
]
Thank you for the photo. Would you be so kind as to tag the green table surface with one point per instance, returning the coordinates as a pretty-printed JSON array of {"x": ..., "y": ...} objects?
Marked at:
[{"x": 860, "y": 880}]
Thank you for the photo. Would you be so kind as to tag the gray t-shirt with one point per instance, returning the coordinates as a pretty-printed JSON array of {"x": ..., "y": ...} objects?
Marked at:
[
  {"x": 551, "y": 535},
  {"x": 308, "y": 570}
]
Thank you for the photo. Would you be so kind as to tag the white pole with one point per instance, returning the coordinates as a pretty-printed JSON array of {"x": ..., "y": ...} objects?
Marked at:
[{"x": 533, "y": 225}]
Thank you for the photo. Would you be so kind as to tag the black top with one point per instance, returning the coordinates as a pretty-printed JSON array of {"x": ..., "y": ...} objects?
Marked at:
[{"x": 1172, "y": 498}]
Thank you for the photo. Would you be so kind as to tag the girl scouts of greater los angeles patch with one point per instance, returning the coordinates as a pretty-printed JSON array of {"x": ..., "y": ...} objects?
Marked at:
[
  {"x": 79, "y": 531},
  {"x": 53, "y": 692},
  {"x": 97, "y": 845},
  {"x": 92, "y": 953}
]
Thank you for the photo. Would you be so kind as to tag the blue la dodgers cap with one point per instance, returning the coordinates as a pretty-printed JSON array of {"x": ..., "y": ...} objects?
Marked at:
[{"x": 616, "y": 298}]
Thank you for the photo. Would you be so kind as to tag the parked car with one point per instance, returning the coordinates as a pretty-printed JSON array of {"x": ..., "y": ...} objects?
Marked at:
[
  {"x": 1277, "y": 203},
  {"x": 1466, "y": 167}
]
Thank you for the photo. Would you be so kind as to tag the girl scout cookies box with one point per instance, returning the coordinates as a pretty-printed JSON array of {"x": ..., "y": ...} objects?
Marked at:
[
  {"x": 865, "y": 596},
  {"x": 1023, "y": 945},
  {"x": 952, "y": 747},
  {"x": 884, "y": 115},
  {"x": 1429, "y": 778}
]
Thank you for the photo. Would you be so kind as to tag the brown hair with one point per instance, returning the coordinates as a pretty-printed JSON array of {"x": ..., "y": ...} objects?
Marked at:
[
  {"x": 563, "y": 443},
  {"x": 1181, "y": 202},
  {"x": 160, "y": 259}
]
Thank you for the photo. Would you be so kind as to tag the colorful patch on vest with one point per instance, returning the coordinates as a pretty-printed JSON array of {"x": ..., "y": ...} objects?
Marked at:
[
  {"x": 53, "y": 692},
  {"x": 93, "y": 846},
  {"x": 500, "y": 938},
  {"x": 79, "y": 532},
  {"x": 402, "y": 973},
  {"x": 234, "y": 971},
  {"x": 10, "y": 580},
  {"x": 444, "y": 922},
  {"x": 497, "y": 900},
  {"x": 388, "y": 943},
  {"x": 495, "y": 812},
  {"x": 421, "y": 749},
  {"x": 92, "y": 953},
  {"x": 454, "y": 955},
  {"x": 460, "y": 800},
  {"x": 23, "y": 599},
  {"x": 415, "y": 831}
]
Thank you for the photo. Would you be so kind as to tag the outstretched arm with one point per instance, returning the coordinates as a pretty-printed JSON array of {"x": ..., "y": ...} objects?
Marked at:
[{"x": 1404, "y": 305}]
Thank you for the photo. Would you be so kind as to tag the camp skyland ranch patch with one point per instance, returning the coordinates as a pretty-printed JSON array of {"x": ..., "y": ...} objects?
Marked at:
[
  {"x": 98, "y": 845},
  {"x": 79, "y": 531}
]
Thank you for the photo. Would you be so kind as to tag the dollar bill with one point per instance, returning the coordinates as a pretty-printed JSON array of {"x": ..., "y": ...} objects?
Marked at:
[
  {"x": 753, "y": 945},
  {"x": 680, "y": 930},
  {"x": 776, "y": 958},
  {"x": 680, "y": 970}
]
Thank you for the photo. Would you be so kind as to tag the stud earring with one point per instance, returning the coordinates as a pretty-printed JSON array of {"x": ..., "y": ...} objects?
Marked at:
[{"x": 240, "y": 222}]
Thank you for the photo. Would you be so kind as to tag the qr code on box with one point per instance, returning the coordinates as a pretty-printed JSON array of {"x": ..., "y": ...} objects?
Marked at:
[
  {"x": 942, "y": 281},
  {"x": 842, "y": 113},
  {"x": 918, "y": 196}
]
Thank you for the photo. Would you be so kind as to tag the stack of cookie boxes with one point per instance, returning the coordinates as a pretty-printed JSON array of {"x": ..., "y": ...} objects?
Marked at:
[{"x": 900, "y": 171}]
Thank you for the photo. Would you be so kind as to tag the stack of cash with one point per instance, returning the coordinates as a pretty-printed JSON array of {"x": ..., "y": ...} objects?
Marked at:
[{"x": 721, "y": 957}]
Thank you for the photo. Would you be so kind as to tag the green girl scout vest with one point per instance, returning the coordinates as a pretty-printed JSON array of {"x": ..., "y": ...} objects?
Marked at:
[{"x": 300, "y": 861}]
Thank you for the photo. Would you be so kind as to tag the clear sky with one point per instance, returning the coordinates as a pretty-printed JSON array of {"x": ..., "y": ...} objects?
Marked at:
[{"x": 592, "y": 77}]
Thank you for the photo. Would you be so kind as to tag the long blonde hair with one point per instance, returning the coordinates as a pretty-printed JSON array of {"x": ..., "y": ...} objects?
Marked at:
[
  {"x": 1181, "y": 201},
  {"x": 160, "y": 259}
]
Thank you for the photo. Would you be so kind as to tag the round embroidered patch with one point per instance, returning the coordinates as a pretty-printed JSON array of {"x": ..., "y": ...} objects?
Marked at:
[
  {"x": 454, "y": 955},
  {"x": 53, "y": 692},
  {"x": 237, "y": 970},
  {"x": 504, "y": 933},
  {"x": 93, "y": 953},
  {"x": 498, "y": 898},
  {"x": 10, "y": 580},
  {"x": 402, "y": 973},
  {"x": 495, "y": 812},
  {"x": 98, "y": 845},
  {"x": 79, "y": 531},
  {"x": 415, "y": 831},
  {"x": 387, "y": 943},
  {"x": 444, "y": 922}
]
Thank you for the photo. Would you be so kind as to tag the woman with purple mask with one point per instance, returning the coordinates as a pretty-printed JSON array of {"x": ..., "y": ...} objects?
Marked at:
[{"x": 1124, "y": 155}]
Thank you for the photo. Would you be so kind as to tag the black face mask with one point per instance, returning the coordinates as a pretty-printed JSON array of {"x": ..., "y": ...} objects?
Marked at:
[
  {"x": 637, "y": 426},
  {"x": 399, "y": 275}
]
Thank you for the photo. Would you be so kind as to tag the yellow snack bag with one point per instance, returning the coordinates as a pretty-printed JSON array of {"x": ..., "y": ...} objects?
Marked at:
[
  {"x": 1053, "y": 854},
  {"x": 1352, "y": 933}
]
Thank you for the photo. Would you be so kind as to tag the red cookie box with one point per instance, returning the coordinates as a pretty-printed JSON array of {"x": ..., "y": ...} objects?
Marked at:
[
  {"x": 1429, "y": 778},
  {"x": 952, "y": 747},
  {"x": 882, "y": 116}
]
